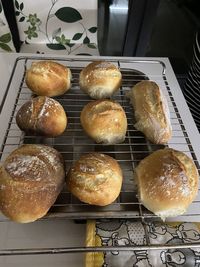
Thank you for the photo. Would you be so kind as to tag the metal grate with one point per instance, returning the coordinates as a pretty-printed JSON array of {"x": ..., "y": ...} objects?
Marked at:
[{"x": 74, "y": 142}]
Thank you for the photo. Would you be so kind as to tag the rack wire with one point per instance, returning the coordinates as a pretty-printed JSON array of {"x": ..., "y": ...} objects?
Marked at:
[{"x": 74, "y": 142}]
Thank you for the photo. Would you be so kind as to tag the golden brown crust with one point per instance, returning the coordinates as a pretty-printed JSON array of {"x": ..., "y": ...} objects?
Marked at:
[
  {"x": 48, "y": 78},
  {"x": 104, "y": 121},
  {"x": 95, "y": 179},
  {"x": 100, "y": 79},
  {"x": 42, "y": 115},
  {"x": 167, "y": 182},
  {"x": 31, "y": 178},
  {"x": 151, "y": 112}
]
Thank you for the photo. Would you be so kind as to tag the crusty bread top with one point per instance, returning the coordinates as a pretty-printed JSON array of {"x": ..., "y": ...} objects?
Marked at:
[
  {"x": 42, "y": 115},
  {"x": 48, "y": 78},
  {"x": 149, "y": 94},
  {"x": 31, "y": 178},
  {"x": 151, "y": 111},
  {"x": 167, "y": 181},
  {"x": 93, "y": 170},
  {"x": 95, "y": 179},
  {"x": 100, "y": 110},
  {"x": 47, "y": 67},
  {"x": 98, "y": 72},
  {"x": 102, "y": 76},
  {"x": 102, "y": 106},
  {"x": 34, "y": 164},
  {"x": 105, "y": 121}
]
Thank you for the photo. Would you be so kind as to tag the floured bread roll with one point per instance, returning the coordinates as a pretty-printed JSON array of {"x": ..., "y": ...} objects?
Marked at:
[
  {"x": 31, "y": 178},
  {"x": 104, "y": 121},
  {"x": 100, "y": 79},
  {"x": 42, "y": 115},
  {"x": 167, "y": 182},
  {"x": 48, "y": 78},
  {"x": 151, "y": 112},
  {"x": 95, "y": 179}
]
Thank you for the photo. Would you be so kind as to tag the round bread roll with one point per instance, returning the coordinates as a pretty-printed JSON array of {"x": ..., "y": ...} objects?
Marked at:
[
  {"x": 151, "y": 112},
  {"x": 31, "y": 178},
  {"x": 104, "y": 121},
  {"x": 95, "y": 179},
  {"x": 100, "y": 79},
  {"x": 167, "y": 182},
  {"x": 48, "y": 78},
  {"x": 42, "y": 115}
]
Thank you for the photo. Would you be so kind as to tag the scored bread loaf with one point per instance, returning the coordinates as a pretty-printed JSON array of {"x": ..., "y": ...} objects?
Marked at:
[
  {"x": 31, "y": 178},
  {"x": 48, "y": 78},
  {"x": 104, "y": 121},
  {"x": 95, "y": 179},
  {"x": 42, "y": 115},
  {"x": 100, "y": 79},
  {"x": 167, "y": 182},
  {"x": 151, "y": 112}
]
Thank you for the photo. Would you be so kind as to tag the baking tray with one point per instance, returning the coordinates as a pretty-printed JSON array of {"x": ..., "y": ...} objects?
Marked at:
[{"x": 74, "y": 142}]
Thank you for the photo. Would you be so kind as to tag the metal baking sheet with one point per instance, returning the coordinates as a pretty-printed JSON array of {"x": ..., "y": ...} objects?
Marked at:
[{"x": 74, "y": 142}]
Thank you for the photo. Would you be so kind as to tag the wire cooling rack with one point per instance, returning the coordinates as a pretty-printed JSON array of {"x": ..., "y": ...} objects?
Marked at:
[{"x": 74, "y": 142}]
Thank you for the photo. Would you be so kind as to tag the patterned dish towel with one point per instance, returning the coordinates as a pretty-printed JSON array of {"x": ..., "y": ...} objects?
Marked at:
[{"x": 127, "y": 232}]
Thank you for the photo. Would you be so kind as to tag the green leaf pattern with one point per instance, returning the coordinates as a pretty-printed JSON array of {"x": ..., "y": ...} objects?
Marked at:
[
  {"x": 77, "y": 36},
  {"x": 92, "y": 29},
  {"x": 68, "y": 14},
  {"x": 5, "y": 38},
  {"x": 5, "y": 35},
  {"x": 56, "y": 39}
]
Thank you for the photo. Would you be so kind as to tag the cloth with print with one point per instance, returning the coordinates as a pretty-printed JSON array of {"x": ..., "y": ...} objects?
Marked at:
[
  {"x": 6, "y": 43},
  {"x": 57, "y": 26},
  {"x": 127, "y": 232}
]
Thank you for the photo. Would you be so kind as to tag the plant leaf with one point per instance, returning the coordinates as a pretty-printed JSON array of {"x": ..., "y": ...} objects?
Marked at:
[
  {"x": 21, "y": 19},
  {"x": 68, "y": 14},
  {"x": 21, "y": 7},
  {"x": 5, "y": 38},
  {"x": 92, "y": 46},
  {"x": 58, "y": 39},
  {"x": 16, "y": 4},
  {"x": 5, "y": 47},
  {"x": 56, "y": 32},
  {"x": 92, "y": 29},
  {"x": 35, "y": 34},
  {"x": 70, "y": 45},
  {"x": 83, "y": 54},
  {"x": 77, "y": 36},
  {"x": 67, "y": 41},
  {"x": 17, "y": 13},
  {"x": 86, "y": 40},
  {"x": 56, "y": 46}
]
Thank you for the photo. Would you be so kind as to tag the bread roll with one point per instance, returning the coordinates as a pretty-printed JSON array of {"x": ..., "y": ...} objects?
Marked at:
[
  {"x": 42, "y": 115},
  {"x": 95, "y": 179},
  {"x": 48, "y": 78},
  {"x": 104, "y": 121},
  {"x": 31, "y": 178},
  {"x": 100, "y": 79},
  {"x": 167, "y": 182},
  {"x": 151, "y": 112}
]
